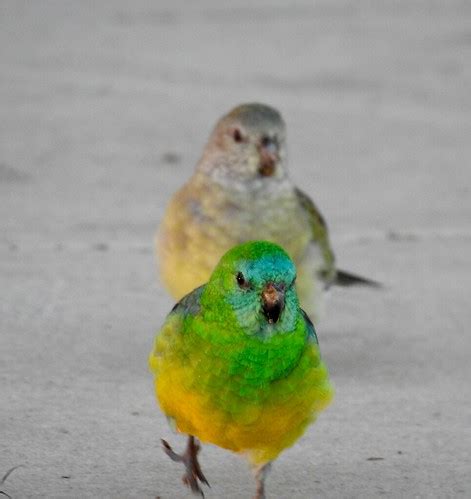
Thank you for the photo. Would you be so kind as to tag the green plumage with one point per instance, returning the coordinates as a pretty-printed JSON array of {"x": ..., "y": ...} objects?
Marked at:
[{"x": 237, "y": 362}]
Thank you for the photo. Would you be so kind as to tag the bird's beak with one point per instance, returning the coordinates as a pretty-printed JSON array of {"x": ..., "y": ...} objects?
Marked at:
[
  {"x": 273, "y": 302},
  {"x": 269, "y": 157}
]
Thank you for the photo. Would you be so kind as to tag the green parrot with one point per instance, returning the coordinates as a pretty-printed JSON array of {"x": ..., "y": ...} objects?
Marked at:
[
  {"x": 237, "y": 362},
  {"x": 241, "y": 191}
]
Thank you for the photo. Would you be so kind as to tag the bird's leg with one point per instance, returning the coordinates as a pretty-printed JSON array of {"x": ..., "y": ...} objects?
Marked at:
[
  {"x": 260, "y": 475},
  {"x": 190, "y": 460}
]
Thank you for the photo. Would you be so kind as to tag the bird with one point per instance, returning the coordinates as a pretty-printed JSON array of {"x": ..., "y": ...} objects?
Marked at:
[
  {"x": 237, "y": 363},
  {"x": 241, "y": 191}
]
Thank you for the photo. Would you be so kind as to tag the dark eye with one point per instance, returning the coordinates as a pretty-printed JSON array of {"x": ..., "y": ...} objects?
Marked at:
[
  {"x": 237, "y": 135},
  {"x": 266, "y": 141},
  {"x": 241, "y": 280}
]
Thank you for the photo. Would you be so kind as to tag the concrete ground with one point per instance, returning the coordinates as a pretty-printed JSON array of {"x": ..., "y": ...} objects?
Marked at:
[{"x": 105, "y": 107}]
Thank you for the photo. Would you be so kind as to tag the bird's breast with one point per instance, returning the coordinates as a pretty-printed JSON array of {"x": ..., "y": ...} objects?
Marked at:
[
  {"x": 203, "y": 222},
  {"x": 241, "y": 399}
]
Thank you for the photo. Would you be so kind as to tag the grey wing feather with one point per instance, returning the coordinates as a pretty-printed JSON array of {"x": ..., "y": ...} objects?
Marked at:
[
  {"x": 190, "y": 303},
  {"x": 312, "y": 335},
  {"x": 320, "y": 236}
]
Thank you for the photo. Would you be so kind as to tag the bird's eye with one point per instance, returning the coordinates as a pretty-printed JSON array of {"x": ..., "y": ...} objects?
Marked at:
[
  {"x": 237, "y": 135},
  {"x": 266, "y": 141},
  {"x": 241, "y": 280}
]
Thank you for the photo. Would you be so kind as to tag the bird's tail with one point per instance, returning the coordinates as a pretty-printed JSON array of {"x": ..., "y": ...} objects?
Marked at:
[{"x": 347, "y": 279}]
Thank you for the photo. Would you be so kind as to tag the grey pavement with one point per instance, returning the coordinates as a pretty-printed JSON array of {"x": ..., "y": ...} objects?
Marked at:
[{"x": 104, "y": 108}]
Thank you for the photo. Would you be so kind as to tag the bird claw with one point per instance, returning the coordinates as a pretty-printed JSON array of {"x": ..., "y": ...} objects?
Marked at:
[
  {"x": 170, "y": 452},
  {"x": 190, "y": 460}
]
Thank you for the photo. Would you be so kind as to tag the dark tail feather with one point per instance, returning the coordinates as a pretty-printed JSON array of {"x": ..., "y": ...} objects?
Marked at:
[{"x": 347, "y": 279}]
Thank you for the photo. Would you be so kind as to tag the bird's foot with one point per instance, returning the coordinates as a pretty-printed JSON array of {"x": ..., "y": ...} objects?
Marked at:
[
  {"x": 189, "y": 459},
  {"x": 260, "y": 494}
]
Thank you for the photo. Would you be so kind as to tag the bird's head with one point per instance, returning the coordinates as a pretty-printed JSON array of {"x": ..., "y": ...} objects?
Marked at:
[
  {"x": 256, "y": 281},
  {"x": 246, "y": 145}
]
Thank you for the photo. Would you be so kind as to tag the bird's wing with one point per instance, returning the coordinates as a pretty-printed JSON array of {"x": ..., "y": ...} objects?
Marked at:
[
  {"x": 310, "y": 328},
  {"x": 190, "y": 303},
  {"x": 173, "y": 326},
  {"x": 320, "y": 235}
]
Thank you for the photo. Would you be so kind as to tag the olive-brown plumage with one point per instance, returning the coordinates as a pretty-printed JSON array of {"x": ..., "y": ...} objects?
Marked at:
[{"x": 241, "y": 191}]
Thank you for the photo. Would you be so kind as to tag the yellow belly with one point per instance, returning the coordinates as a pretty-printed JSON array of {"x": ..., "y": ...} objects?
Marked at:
[{"x": 260, "y": 425}]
